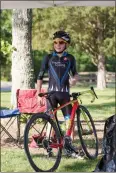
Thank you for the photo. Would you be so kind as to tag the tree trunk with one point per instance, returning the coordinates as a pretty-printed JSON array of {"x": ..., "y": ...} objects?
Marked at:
[
  {"x": 22, "y": 63},
  {"x": 101, "y": 76}
]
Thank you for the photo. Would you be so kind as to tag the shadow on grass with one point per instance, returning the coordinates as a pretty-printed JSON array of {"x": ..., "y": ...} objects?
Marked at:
[
  {"x": 5, "y": 91},
  {"x": 101, "y": 105},
  {"x": 1, "y": 108},
  {"x": 105, "y": 97},
  {"x": 80, "y": 165},
  {"x": 10, "y": 141}
]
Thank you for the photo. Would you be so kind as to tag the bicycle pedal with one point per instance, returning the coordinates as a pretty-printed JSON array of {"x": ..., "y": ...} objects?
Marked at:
[
  {"x": 74, "y": 149},
  {"x": 81, "y": 153},
  {"x": 68, "y": 145},
  {"x": 50, "y": 154},
  {"x": 45, "y": 143}
]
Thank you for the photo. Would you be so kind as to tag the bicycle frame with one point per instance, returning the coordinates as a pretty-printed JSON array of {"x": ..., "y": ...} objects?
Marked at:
[
  {"x": 69, "y": 130},
  {"x": 74, "y": 108},
  {"x": 43, "y": 132}
]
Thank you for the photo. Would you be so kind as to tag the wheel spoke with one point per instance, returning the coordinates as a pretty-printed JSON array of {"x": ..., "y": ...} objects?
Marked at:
[{"x": 42, "y": 152}]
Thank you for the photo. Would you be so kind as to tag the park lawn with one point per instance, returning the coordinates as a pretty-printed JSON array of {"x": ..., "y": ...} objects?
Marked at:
[
  {"x": 14, "y": 160},
  {"x": 103, "y": 107},
  {"x": 5, "y": 100},
  {"x": 100, "y": 109}
]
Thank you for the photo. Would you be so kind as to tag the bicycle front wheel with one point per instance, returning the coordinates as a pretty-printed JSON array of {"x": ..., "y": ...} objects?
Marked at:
[
  {"x": 87, "y": 132},
  {"x": 42, "y": 148}
]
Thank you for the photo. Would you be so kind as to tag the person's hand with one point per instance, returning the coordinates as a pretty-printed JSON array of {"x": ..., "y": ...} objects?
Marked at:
[
  {"x": 41, "y": 101},
  {"x": 72, "y": 81}
]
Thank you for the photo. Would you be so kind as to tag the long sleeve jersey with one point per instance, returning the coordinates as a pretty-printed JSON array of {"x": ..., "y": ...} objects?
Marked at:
[{"x": 58, "y": 69}]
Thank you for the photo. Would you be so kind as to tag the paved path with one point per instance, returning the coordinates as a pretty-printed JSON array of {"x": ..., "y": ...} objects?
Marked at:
[{"x": 5, "y": 86}]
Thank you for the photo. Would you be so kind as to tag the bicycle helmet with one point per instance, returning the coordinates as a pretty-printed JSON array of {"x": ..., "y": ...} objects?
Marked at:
[{"x": 62, "y": 34}]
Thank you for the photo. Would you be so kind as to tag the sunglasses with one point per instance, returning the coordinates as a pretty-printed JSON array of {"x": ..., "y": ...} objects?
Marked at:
[{"x": 59, "y": 42}]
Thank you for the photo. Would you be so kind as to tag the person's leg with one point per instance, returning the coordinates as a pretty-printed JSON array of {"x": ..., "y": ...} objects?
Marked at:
[
  {"x": 49, "y": 107},
  {"x": 63, "y": 97},
  {"x": 69, "y": 147},
  {"x": 67, "y": 112}
]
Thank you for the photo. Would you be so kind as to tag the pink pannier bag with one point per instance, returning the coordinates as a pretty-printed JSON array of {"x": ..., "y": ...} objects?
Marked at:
[{"x": 27, "y": 101}]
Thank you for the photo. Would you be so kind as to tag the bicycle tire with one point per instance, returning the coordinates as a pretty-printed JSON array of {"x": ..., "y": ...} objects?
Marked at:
[
  {"x": 41, "y": 118},
  {"x": 80, "y": 125}
]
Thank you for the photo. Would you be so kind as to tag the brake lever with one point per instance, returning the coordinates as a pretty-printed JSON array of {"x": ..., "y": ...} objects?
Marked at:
[
  {"x": 94, "y": 92},
  {"x": 93, "y": 100},
  {"x": 80, "y": 101}
]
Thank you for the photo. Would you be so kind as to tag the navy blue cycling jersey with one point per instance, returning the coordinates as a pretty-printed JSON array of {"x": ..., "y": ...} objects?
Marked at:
[{"x": 58, "y": 69}]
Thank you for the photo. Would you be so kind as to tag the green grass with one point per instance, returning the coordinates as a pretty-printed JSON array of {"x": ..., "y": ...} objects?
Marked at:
[
  {"x": 14, "y": 160},
  {"x": 5, "y": 99},
  {"x": 100, "y": 109},
  {"x": 75, "y": 165}
]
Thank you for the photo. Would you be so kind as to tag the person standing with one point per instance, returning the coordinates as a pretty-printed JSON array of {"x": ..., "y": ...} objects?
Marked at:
[{"x": 62, "y": 73}]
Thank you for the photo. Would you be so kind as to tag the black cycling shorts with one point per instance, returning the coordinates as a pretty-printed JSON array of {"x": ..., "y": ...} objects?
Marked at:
[{"x": 60, "y": 98}]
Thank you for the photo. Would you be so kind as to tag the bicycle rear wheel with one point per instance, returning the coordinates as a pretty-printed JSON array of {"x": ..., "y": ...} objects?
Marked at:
[
  {"x": 42, "y": 150},
  {"x": 87, "y": 132}
]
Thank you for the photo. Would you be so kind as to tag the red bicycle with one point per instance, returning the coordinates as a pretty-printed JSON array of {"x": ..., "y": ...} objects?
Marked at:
[{"x": 43, "y": 150}]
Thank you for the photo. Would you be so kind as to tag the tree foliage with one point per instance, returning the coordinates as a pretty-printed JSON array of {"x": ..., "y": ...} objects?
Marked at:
[
  {"x": 6, "y": 42},
  {"x": 83, "y": 23},
  {"x": 92, "y": 31},
  {"x": 95, "y": 30}
]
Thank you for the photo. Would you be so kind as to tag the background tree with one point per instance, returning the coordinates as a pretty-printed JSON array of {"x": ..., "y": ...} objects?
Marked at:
[
  {"x": 22, "y": 62},
  {"x": 94, "y": 30},
  {"x": 80, "y": 22},
  {"x": 6, "y": 44}
]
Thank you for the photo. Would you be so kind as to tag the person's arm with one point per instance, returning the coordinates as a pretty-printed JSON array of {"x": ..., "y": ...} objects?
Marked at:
[
  {"x": 74, "y": 78},
  {"x": 39, "y": 85},
  {"x": 44, "y": 67}
]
